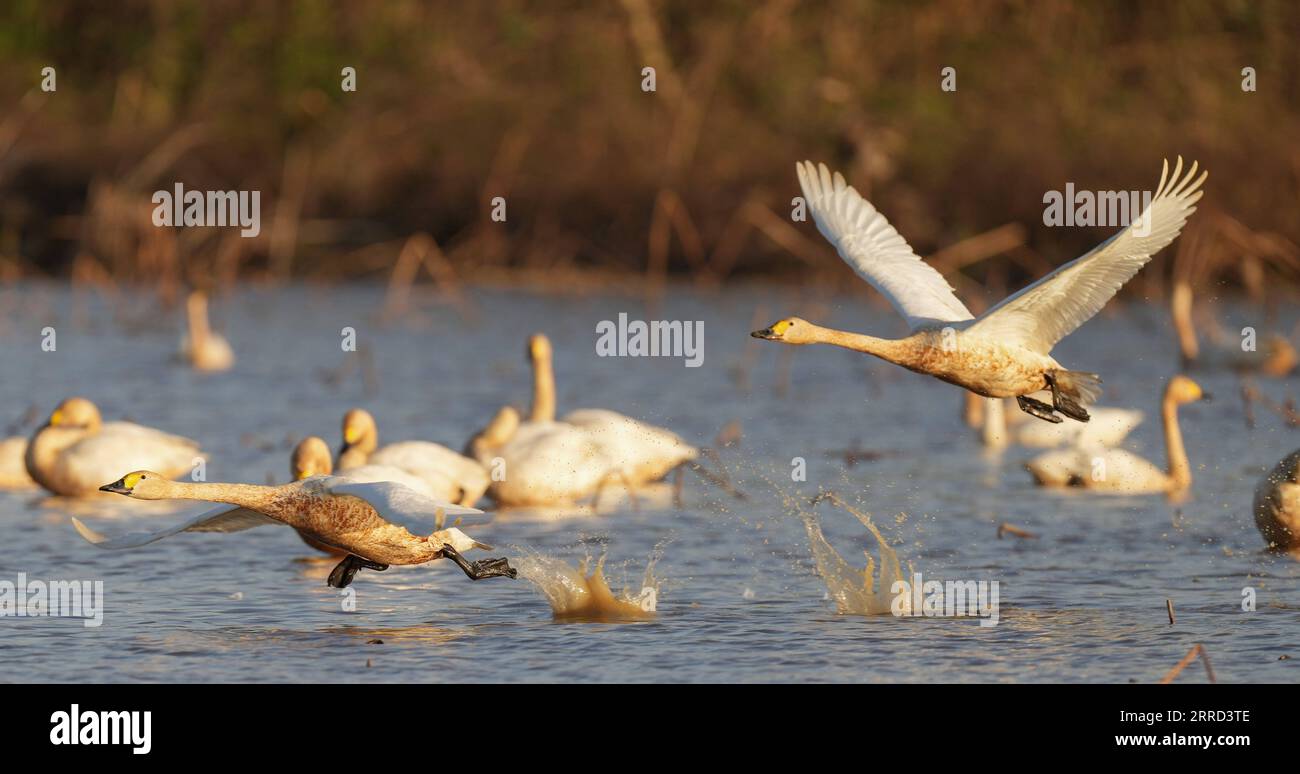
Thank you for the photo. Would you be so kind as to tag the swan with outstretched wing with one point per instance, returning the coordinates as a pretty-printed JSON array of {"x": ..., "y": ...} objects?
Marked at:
[{"x": 1005, "y": 352}]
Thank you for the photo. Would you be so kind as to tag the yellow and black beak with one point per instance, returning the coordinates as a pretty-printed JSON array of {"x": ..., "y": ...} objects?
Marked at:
[
  {"x": 766, "y": 333},
  {"x": 117, "y": 487}
]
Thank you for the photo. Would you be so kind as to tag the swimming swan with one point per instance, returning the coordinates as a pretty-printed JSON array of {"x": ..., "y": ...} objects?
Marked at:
[
  {"x": 1116, "y": 471},
  {"x": 642, "y": 452},
  {"x": 74, "y": 451},
  {"x": 1108, "y": 427},
  {"x": 1277, "y": 506},
  {"x": 1004, "y": 352},
  {"x": 375, "y": 524},
  {"x": 204, "y": 349},
  {"x": 540, "y": 463},
  {"x": 446, "y": 474}
]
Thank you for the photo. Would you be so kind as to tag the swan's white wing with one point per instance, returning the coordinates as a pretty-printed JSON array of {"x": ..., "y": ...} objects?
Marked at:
[
  {"x": 866, "y": 241},
  {"x": 403, "y": 506},
  {"x": 223, "y": 518},
  {"x": 1049, "y": 310}
]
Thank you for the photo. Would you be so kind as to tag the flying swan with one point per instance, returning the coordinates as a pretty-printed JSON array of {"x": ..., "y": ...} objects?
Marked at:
[
  {"x": 375, "y": 524},
  {"x": 1005, "y": 352}
]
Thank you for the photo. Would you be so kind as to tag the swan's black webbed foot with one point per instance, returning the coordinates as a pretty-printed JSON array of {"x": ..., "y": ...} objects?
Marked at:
[
  {"x": 1038, "y": 409},
  {"x": 341, "y": 576},
  {"x": 484, "y": 568},
  {"x": 1064, "y": 403}
]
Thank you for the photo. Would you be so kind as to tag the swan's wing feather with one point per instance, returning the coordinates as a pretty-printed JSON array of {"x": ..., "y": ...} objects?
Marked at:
[
  {"x": 223, "y": 518},
  {"x": 402, "y": 505},
  {"x": 876, "y": 251},
  {"x": 1049, "y": 310}
]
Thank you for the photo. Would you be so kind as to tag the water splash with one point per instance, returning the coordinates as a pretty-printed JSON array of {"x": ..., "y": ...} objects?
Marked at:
[
  {"x": 577, "y": 594},
  {"x": 857, "y": 591}
]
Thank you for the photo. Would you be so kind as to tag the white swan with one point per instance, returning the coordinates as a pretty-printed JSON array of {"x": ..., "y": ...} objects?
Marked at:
[
  {"x": 74, "y": 451},
  {"x": 1108, "y": 427},
  {"x": 1277, "y": 506},
  {"x": 1004, "y": 352},
  {"x": 540, "y": 463},
  {"x": 13, "y": 466},
  {"x": 375, "y": 524},
  {"x": 1115, "y": 471},
  {"x": 447, "y": 475},
  {"x": 642, "y": 453},
  {"x": 204, "y": 349}
]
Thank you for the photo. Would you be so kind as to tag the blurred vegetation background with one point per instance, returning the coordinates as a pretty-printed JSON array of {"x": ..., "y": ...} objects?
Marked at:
[{"x": 541, "y": 102}]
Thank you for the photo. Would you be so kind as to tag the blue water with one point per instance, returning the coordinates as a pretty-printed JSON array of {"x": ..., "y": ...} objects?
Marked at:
[{"x": 740, "y": 600}]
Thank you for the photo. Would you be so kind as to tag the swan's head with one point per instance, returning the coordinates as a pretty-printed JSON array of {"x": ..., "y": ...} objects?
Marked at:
[
  {"x": 791, "y": 330},
  {"x": 359, "y": 432},
  {"x": 76, "y": 412},
  {"x": 311, "y": 457},
  {"x": 142, "y": 485},
  {"x": 1183, "y": 390},
  {"x": 539, "y": 348}
]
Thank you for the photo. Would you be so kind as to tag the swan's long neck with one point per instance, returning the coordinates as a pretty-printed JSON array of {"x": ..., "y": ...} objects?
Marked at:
[
  {"x": 543, "y": 390},
  {"x": 251, "y": 496},
  {"x": 1181, "y": 311},
  {"x": 895, "y": 351},
  {"x": 1180, "y": 469},
  {"x": 44, "y": 448},
  {"x": 197, "y": 309},
  {"x": 995, "y": 423}
]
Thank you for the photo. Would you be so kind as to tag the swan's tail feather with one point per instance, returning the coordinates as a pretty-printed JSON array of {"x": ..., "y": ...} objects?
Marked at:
[{"x": 1084, "y": 387}]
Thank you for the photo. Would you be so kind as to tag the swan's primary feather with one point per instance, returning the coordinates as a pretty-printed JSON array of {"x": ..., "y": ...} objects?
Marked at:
[
  {"x": 1049, "y": 310},
  {"x": 876, "y": 251},
  {"x": 223, "y": 518}
]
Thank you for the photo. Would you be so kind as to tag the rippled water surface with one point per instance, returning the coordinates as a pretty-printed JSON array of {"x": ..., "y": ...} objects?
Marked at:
[{"x": 738, "y": 601}]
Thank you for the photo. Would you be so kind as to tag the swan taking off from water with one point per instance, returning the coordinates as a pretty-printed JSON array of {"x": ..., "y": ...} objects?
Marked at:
[
  {"x": 375, "y": 524},
  {"x": 1115, "y": 471},
  {"x": 1277, "y": 506},
  {"x": 74, "y": 451},
  {"x": 1004, "y": 353}
]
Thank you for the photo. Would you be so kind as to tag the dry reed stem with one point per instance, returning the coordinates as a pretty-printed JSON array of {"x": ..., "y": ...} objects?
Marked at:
[
  {"x": 1197, "y": 649},
  {"x": 1011, "y": 529},
  {"x": 283, "y": 239},
  {"x": 980, "y": 247}
]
